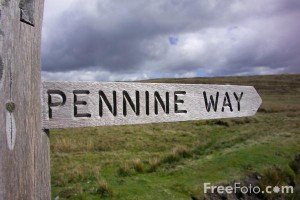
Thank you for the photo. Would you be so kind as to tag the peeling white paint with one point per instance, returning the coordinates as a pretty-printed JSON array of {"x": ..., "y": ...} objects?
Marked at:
[
  {"x": 10, "y": 130},
  {"x": 1, "y": 72}
]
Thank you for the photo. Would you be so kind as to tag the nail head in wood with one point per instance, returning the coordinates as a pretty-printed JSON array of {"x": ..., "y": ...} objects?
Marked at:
[{"x": 10, "y": 107}]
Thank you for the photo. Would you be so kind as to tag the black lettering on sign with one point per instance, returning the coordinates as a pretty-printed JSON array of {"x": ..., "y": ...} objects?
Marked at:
[
  {"x": 147, "y": 103},
  {"x": 165, "y": 106},
  {"x": 238, "y": 99},
  {"x": 52, "y": 104},
  {"x": 112, "y": 109},
  {"x": 127, "y": 98},
  {"x": 212, "y": 103},
  {"x": 226, "y": 102},
  {"x": 178, "y": 101},
  {"x": 78, "y": 102}
]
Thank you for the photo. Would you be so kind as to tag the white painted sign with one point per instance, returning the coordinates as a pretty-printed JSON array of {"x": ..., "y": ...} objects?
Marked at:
[{"x": 88, "y": 104}]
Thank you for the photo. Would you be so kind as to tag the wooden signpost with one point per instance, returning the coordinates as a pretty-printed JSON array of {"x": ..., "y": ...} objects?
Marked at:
[
  {"x": 86, "y": 104},
  {"x": 25, "y": 120}
]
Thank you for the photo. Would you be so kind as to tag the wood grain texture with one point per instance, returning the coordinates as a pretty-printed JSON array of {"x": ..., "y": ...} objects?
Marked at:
[
  {"x": 78, "y": 104},
  {"x": 24, "y": 167}
]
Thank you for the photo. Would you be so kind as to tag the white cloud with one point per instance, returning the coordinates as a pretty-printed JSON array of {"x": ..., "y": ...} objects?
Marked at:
[{"x": 85, "y": 75}]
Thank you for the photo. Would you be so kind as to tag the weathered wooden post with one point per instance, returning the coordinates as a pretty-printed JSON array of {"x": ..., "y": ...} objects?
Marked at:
[{"x": 24, "y": 147}]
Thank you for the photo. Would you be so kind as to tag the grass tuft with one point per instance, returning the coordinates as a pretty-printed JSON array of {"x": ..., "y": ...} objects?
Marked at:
[
  {"x": 223, "y": 122},
  {"x": 138, "y": 165},
  {"x": 104, "y": 189},
  {"x": 182, "y": 151},
  {"x": 295, "y": 165},
  {"x": 172, "y": 158},
  {"x": 274, "y": 177},
  {"x": 177, "y": 153},
  {"x": 70, "y": 192},
  {"x": 154, "y": 162},
  {"x": 124, "y": 170}
]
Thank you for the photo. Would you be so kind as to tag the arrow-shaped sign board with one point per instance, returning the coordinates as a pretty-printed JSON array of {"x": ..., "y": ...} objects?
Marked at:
[{"x": 89, "y": 104}]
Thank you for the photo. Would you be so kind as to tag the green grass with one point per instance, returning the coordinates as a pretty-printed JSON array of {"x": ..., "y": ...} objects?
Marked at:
[{"x": 173, "y": 160}]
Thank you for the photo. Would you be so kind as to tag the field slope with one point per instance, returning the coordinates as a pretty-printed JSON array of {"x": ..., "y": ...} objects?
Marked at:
[{"x": 173, "y": 160}]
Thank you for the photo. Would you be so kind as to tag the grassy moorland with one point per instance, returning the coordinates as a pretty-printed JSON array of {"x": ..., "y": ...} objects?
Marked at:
[{"x": 173, "y": 160}]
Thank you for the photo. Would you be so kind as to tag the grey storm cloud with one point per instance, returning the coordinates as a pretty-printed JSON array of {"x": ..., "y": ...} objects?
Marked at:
[{"x": 146, "y": 39}]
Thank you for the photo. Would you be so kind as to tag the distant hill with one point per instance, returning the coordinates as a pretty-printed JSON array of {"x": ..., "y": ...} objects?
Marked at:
[{"x": 269, "y": 84}]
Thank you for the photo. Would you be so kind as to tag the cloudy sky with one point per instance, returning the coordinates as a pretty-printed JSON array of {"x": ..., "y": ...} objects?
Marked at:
[{"x": 117, "y": 40}]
